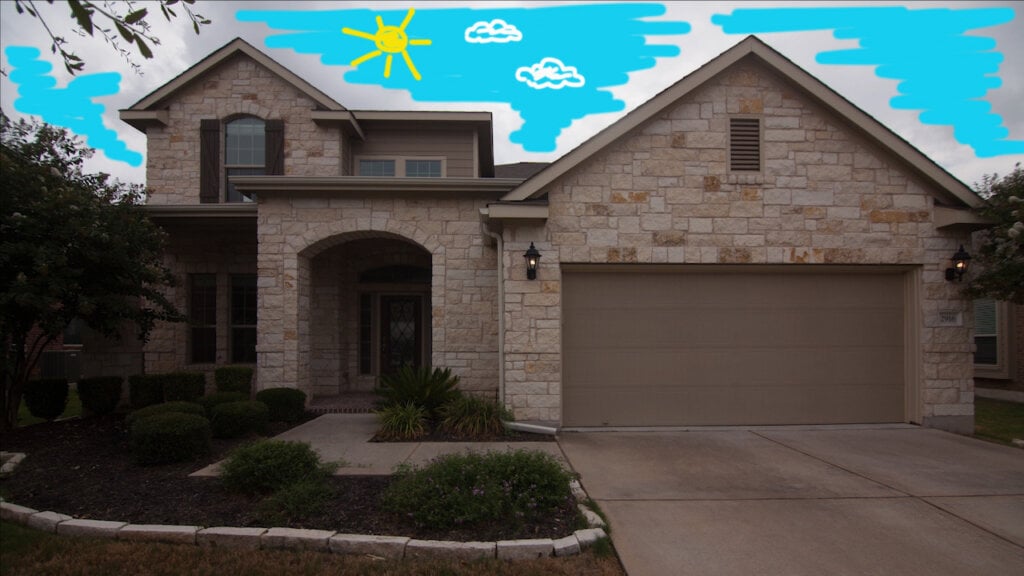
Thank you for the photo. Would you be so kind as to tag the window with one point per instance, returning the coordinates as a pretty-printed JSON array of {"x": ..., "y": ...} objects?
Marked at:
[
  {"x": 423, "y": 168},
  {"x": 401, "y": 167},
  {"x": 376, "y": 167},
  {"x": 993, "y": 356},
  {"x": 251, "y": 147},
  {"x": 745, "y": 144},
  {"x": 244, "y": 153},
  {"x": 203, "y": 317},
  {"x": 243, "y": 318}
]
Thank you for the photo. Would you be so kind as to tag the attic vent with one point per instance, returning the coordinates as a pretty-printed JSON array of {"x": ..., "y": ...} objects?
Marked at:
[{"x": 745, "y": 144}]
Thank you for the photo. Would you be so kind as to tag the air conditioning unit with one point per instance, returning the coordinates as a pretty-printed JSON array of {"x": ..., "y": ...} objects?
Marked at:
[{"x": 60, "y": 364}]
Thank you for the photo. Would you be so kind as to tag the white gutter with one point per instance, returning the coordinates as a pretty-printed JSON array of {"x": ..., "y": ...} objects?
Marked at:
[{"x": 501, "y": 310}]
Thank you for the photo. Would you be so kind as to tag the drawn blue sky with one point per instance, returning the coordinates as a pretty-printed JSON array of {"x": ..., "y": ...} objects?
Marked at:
[
  {"x": 604, "y": 42},
  {"x": 944, "y": 72},
  {"x": 72, "y": 107}
]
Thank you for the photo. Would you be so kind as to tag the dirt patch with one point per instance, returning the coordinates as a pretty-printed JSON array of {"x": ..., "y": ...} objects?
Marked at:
[{"x": 81, "y": 467}]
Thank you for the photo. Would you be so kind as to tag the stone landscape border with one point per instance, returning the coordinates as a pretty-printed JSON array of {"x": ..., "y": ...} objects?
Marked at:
[{"x": 384, "y": 547}]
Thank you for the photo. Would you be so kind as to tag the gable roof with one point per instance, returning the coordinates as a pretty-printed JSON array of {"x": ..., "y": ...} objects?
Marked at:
[
  {"x": 149, "y": 108},
  {"x": 752, "y": 47}
]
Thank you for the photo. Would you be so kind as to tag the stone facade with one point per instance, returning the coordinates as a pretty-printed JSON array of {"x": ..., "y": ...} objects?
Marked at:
[{"x": 664, "y": 194}]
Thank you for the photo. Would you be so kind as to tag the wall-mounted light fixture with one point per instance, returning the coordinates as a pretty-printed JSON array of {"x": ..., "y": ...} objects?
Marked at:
[
  {"x": 532, "y": 259},
  {"x": 960, "y": 260}
]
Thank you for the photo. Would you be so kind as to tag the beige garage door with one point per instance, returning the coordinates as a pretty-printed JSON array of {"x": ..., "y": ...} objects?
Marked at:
[{"x": 713, "y": 346}]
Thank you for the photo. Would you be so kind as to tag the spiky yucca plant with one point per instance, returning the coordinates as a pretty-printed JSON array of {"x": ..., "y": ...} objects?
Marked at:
[{"x": 424, "y": 387}]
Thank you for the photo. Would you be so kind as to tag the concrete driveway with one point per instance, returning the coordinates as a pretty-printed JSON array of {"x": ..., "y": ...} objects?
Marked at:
[{"x": 823, "y": 500}]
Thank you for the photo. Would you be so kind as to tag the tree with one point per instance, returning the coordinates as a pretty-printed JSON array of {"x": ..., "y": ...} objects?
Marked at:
[
  {"x": 130, "y": 26},
  {"x": 72, "y": 246},
  {"x": 1000, "y": 258}
]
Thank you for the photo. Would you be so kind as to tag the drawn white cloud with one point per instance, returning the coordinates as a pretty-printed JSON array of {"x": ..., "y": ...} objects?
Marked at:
[
  {"x": 495, "y": 31},
  {"x": 550, "y": 73}
]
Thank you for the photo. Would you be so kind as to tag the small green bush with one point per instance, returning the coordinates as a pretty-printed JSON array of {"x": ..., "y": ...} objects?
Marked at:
[
  {"x": 144, "y": 390},
  {"x": 169, "y": 437},
  {"x": 420, "y": 386},
  {"x": 296, "y": 501},
  {"x": 460, "y": 490},
  {"x": 474, "y": 417},
  {"x": 184, "y": 386},
  {"x": 269, "y": 465},
  {"x": 402, "y": 422},
  {"x": 235, "y": 419},
  {"x": 234, "y": 379},
  {"x": 211, "y": 400},
  {"x": 285, "y": 404},
  {"x": 46, "y": 398},
  {"x": 164, "y": 408},
  {"x": 100, "y": 395}
]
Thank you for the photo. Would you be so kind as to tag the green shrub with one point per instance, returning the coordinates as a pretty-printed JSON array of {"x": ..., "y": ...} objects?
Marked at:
[
  {"x": 285, "y": 404},
  {"x": 184, "y": 386},
  {"x": 402, "y": 422},
  {"x": 169, "y": 437},
  {"x": 459, "y": 490},
  {"x": 211, "y": 400},
  {"x": 144, "y": 390},
  {"x": 234, "y": 379},
  {"x": 269, "y": 465},
  {"x": 164, "y": 408},
  {"x": 296, "y": 501},
  {"x": 420, "y": 386},
  {"x": 46, "y": 398},
  {"x": 235, "y": 419},
  {"x": 474, "y": 417},
  {"x": 100, "y": 395}
]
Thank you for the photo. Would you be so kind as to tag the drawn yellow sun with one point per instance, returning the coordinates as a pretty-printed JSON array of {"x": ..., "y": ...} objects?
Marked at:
[{"x": 391, "y": 40}]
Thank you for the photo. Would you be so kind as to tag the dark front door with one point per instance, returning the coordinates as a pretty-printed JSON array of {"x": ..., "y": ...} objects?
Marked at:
[{"x": 401, "y": 332}]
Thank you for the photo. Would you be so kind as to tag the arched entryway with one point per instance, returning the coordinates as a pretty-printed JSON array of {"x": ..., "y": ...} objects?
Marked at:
[{"x": 369, "y": 311}]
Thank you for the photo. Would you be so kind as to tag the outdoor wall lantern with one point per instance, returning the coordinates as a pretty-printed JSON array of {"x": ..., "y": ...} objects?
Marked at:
[
  {"x": 960, "y": 261},
  {"x": 532, "y": 259}
]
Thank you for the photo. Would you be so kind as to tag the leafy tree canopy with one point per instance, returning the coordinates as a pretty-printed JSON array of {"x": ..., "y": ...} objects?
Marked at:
[
  {"x": 126, "y": 17},
  {"x": 1000, "y": 259},
  {"x": 72, "y": 246}
]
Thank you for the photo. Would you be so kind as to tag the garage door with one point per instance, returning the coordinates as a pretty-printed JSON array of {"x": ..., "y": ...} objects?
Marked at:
[{"x": 715, "y": 346}]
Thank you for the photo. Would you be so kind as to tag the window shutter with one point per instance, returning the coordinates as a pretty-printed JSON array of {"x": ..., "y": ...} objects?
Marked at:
[
  {"x": 275, "y": 147},
  {"x": 745, "y": 144},
  {"x": 209, "y": 161}
]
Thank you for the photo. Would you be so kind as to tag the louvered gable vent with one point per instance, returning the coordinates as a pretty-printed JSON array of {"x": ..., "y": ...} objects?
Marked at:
[{"x": 745, "y": 144}]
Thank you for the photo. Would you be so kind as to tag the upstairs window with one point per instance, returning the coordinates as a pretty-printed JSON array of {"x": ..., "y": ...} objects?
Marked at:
[
  {"x": 745, "y": 144},
  {"x": 376, "y": 167},
  {"x": 423, "y": 168},
  {"x": 400, "y": 167},
  {"x": 245, "y": 150}
]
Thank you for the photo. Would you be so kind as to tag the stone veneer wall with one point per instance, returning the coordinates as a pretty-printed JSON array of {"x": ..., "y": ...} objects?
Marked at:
[
  {"x": 238, "y": 86},
  {"x": 664, "y": 194},
  {"x": 293, "y": 232}
]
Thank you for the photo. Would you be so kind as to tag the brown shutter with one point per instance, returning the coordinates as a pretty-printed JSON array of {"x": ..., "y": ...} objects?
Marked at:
[
  {"x": 209, "y": 161},
  {"x": 275, "y": 147},
  {"x": 745, "y": 144}
]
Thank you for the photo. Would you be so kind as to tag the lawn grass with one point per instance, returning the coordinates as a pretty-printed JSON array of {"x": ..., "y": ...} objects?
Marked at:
[
  {"x": 998, "y": 420},
  {"x": 74, "y": 408},
  {"x": 24, "y": 551}
]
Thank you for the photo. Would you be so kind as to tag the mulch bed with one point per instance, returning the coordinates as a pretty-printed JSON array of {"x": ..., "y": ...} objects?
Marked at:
[{"x": 81, "y": 467}]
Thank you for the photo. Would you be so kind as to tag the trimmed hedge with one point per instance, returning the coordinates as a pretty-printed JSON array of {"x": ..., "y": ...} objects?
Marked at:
[
  {"x": 164, "y": 408},
  {"x": 285, "y": 404},
  {"x": 268, "y": 465},
  {"x": 235, "y": 419},
  {"x": 211, "y": 400},
  {"x": 234, "y": 379},
  {"x": 46, "y": 398},
  {"x": 148, "y": 389},
  {"x": 171, "y": 437},
  {"x": 100, "y": 395}
]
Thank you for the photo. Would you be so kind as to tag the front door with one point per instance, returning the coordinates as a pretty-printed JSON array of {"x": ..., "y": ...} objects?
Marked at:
[{"x": 401, "y": 332}]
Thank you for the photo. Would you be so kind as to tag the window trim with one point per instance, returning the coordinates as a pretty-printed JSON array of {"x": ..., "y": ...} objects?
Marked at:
[
  {"x": 1001, "y": 369},
  {"x": 760, "y": 144},
  {"x": 399, "y": 164}
]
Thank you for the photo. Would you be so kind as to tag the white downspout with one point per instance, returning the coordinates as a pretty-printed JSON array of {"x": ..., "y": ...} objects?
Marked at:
[{"x": 501, "y": 308}]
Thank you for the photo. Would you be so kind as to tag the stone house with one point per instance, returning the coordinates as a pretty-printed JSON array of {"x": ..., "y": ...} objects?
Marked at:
[{"x": 747, "y": 247}]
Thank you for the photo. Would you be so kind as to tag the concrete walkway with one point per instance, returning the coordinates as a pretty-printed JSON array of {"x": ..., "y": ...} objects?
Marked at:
[
  {"x": 890, "y": 500},
  {"x": 346, "y": 438}
]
